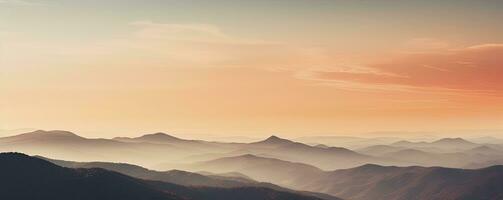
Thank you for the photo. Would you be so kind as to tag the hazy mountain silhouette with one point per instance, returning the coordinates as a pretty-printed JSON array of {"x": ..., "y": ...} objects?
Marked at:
[
  {"x": 272, "y": 170},
  {"x": 276, "y": 147},
  {"x": 172, "y": 176},
  {"x": 484, "y": 150},
  {"x": 422, "y": 155},
  {"x": 276, "y": 160},
  {"x": 158, "y": 138},
  {"x": 445, "y": 145},
  {"x": 370, "y": 182},
  {"x": 155, "y": 137},
  {"x": 455, "y": 142},
  {"x": 41, "y": 136},
  {"x": 69, "y": 146},
  {"x": 25, "y": 177},
  {"x": 347, "y": 141},
  {"x": 63, "y": 144},
  {"x": 10, "y": 132},
  {"x": 486, "y": 156},
  {"x": 168, "y": 152},
  {"x": 379, "y": 150},
  {"x": 273, "y": 141},
  {"x": 418, "y": 157},
  {"x": 153, "y": 149},
  {"x": 373, "y": 182},
  {"x": 405, "y": 143},
  {"x": 224, "y": 180},
  {"x": 163, "y": 138},
  {"x": 322, "y": 157},
  {"x": 446, "y": 152}
]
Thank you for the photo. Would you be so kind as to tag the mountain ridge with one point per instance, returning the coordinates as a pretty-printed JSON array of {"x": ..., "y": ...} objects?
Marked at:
[{"x": 50, "y": 181}]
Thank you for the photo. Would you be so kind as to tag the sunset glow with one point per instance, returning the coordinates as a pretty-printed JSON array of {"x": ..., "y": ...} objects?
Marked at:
[{"x": 251, "y": 68}]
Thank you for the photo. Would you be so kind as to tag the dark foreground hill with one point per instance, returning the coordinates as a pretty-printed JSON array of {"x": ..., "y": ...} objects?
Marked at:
[{"x": 24, "y": 177}]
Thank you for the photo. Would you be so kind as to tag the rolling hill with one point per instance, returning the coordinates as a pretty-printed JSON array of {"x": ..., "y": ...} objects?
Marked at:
[
  {"x": 444, "y": 145},
  {"x": 224, "y": 180},
  {"x": 172, "y": 176},
  {"x": 373, "y": 182},
  {"x": 162, "y": 151},
  {"x": 154, "y": 149},
  {"x": 321, "y": 157},
  {"x": 272, "y": 170},
  {"x": 379, "y": 150},
  {"x": 69, "y": 146},
  {"x": 370, "y": 182},
  {"x": 25, "y": 177}
]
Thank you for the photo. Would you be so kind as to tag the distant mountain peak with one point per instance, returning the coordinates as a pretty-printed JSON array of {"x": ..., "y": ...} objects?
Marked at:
[
  {"x": 274, "y": 140},
  {"x": 159, "y": 136},
  {"x": 453, "y": 140},
  {"x": 52, "y": 133}
]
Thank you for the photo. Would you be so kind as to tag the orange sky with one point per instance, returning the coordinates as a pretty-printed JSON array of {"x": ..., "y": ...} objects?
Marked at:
[{"x": 129, "y": 75}]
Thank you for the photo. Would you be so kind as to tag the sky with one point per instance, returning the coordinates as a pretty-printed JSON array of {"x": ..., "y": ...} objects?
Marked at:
[{"x": 251, "y": 68}]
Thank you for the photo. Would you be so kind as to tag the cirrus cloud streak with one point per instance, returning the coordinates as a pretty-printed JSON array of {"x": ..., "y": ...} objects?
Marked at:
[{"x": 472, "y": 69}]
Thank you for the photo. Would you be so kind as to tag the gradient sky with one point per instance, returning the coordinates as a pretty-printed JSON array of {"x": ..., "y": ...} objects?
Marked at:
[{"x": 253, "y": 68}]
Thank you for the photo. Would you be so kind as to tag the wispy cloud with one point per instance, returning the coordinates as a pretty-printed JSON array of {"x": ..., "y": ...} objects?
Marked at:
[
  {"x": 165, "y": 44},
  {"x": 447, "y": 69}
]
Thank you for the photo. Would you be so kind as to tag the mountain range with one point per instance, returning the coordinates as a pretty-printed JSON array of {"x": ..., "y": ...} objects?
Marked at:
[
  {"x": 163, "y": 151},
  {"x": 154, "y": 149},
  {"x": 185, "y": 178},
  {"x": 161, "y": 166},
  {"x": 25, "y": 177},
  {"x": 369, "y": 182},
  {"x": 372, "y": 182},
  {"x": 444, "y": 145}
]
